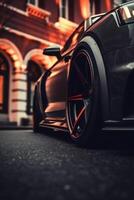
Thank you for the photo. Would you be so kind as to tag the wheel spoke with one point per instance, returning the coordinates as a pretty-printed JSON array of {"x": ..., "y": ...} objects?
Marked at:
[
  {"x": 79, "y": 118},
  {"x": 78, "y": 97}
]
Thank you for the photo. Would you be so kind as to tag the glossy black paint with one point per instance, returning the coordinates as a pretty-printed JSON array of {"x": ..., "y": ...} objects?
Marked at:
[{"x": 116, "y": 44}]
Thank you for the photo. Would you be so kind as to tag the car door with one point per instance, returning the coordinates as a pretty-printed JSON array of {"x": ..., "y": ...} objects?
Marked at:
[{"x": 56, "y": 83}]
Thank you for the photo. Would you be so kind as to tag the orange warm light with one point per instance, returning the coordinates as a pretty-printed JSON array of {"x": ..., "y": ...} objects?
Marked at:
[
  {"x": 17, "y": 64},
  {"x": 85, "y": 5},
  {"x": 14, "y": 57},
  {"x": 10, "y": 51},
  {"x": 108, "y": 5},
  {"x": 57, "y": 2}
]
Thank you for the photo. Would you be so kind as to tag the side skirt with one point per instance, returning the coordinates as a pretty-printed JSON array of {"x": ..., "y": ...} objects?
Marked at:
[
  {"x": 126, "y": 124},
  {"x": 55, "y": 124}
]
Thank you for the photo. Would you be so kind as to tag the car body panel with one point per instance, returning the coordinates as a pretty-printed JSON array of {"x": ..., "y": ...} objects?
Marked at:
[{"x": 116, "y": 48}]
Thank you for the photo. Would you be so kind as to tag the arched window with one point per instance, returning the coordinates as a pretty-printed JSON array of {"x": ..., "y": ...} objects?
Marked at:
[
  {"x": 33, "y": 73},
  {"x": 4, "y": 84}
]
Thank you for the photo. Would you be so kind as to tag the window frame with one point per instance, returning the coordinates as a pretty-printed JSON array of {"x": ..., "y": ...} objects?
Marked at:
[{"x": 61, "y": 14}]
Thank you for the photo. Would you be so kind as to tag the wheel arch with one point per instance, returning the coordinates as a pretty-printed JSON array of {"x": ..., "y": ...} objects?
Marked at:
[{"x": 91, "y": 42}]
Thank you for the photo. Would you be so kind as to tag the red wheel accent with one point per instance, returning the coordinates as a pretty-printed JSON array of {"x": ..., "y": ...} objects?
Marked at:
[{"x": 82, "y": 93}]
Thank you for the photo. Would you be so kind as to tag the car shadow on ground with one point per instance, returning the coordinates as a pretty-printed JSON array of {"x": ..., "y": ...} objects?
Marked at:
[
  {"x": 103, "y": 141},
  {"x": 123, "y": 143}
]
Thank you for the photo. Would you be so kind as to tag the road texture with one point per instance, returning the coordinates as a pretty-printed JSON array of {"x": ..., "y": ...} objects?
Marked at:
[{"x": 46, "y": 167}]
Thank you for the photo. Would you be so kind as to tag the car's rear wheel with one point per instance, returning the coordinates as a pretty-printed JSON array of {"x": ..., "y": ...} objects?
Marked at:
[
  {"x": 37, "y": 116},
  {"x": 83, "y": 96}
]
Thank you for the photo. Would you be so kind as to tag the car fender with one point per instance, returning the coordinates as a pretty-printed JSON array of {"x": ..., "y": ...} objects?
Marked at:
[{"x": 102, "y": 74}]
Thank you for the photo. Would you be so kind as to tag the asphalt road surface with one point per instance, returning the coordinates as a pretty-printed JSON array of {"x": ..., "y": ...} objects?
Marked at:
[{"x": 46, "y": 167}]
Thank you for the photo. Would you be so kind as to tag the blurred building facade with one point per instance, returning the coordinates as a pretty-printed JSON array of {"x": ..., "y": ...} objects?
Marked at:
[{"x": 26, "y": 28}]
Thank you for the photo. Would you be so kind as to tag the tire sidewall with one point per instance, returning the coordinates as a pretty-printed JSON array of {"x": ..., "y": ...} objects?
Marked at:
[{"x": 93, "y": 125}]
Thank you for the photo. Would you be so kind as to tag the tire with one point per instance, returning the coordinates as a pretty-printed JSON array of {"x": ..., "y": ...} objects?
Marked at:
[
  {"x": 83, "y": 109},
  {"x": 37, "y": 116}
]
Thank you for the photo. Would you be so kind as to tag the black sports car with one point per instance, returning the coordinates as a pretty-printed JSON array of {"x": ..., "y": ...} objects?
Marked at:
[{"x": 91, "y": 86}]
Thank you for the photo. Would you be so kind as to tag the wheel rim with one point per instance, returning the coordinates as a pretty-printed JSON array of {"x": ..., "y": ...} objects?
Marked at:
[{"x": 80, "y": 93}]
